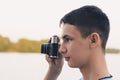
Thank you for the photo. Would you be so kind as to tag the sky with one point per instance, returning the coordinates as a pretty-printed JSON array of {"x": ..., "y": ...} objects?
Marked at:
[{"x": 38, "y": 19}]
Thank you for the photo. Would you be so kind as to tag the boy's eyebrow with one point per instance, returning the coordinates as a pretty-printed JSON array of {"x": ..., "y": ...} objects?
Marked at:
[{"x": 65, "y": 36}]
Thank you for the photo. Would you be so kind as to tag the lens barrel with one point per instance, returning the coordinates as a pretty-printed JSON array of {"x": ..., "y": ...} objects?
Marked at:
[{"x": 45, "y": 48}]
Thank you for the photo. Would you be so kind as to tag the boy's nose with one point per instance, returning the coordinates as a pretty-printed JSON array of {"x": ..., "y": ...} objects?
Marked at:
[{"x": 62, "y": 49}]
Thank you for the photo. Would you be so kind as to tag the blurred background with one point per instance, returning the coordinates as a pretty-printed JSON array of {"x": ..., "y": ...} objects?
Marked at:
[{"x": 25, "y": 24}]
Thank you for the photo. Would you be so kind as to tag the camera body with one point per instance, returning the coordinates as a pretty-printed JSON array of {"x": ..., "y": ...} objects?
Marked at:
[{"x": 51, "y": 48}]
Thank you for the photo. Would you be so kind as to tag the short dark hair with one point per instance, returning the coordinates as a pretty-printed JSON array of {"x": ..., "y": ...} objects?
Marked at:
[{"x": 89, "y": 19}]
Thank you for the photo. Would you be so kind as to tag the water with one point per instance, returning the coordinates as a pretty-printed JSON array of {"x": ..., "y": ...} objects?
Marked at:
[{"x": 16, "y": 66}]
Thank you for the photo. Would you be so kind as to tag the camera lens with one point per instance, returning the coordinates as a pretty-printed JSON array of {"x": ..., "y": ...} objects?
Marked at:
[{"x": 45, "y": 48}]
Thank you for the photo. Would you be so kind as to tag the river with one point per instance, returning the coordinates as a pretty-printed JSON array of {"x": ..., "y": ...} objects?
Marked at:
[{"x": 27, "y": 66}]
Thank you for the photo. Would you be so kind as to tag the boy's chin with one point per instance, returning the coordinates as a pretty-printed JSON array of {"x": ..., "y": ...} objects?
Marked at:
[{"x": 72, "y": 65}]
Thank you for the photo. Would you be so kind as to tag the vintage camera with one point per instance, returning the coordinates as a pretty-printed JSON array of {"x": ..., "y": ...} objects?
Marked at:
[{"x": 51, "y": 48}]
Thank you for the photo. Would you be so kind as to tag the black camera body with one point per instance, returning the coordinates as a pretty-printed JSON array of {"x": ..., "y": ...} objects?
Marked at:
[{"x": 51, "y": 48}]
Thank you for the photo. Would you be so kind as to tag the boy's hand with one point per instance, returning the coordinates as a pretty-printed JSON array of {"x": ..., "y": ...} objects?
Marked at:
[{"x": 55, "y": 67}]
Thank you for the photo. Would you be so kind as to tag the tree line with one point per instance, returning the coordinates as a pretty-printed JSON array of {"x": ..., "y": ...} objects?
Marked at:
[
  {"x": 22, "y": 45},
  {"x": 26, "y": 45}
]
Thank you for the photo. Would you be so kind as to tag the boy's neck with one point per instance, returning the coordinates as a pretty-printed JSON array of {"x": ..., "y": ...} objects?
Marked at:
[{"x": 96, "y": 67}]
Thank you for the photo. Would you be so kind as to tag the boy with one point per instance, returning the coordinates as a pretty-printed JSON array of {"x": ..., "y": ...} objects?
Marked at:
[{"x": 84, "y": 35}]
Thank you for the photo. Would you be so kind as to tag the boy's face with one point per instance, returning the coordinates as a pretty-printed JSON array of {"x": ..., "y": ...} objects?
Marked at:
[{"x": 74, "y": 47}]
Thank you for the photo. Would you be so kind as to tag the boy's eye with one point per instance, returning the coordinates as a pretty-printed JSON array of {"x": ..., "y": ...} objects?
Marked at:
[{"x": 68, "y": 39}]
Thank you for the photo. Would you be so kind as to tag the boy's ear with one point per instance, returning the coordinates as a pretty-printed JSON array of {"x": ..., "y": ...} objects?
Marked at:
[{"x": 94, "y": 39}]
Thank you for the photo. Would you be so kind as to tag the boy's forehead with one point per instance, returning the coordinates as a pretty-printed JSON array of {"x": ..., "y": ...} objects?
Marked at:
[{"x": 68, "y": 29}]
